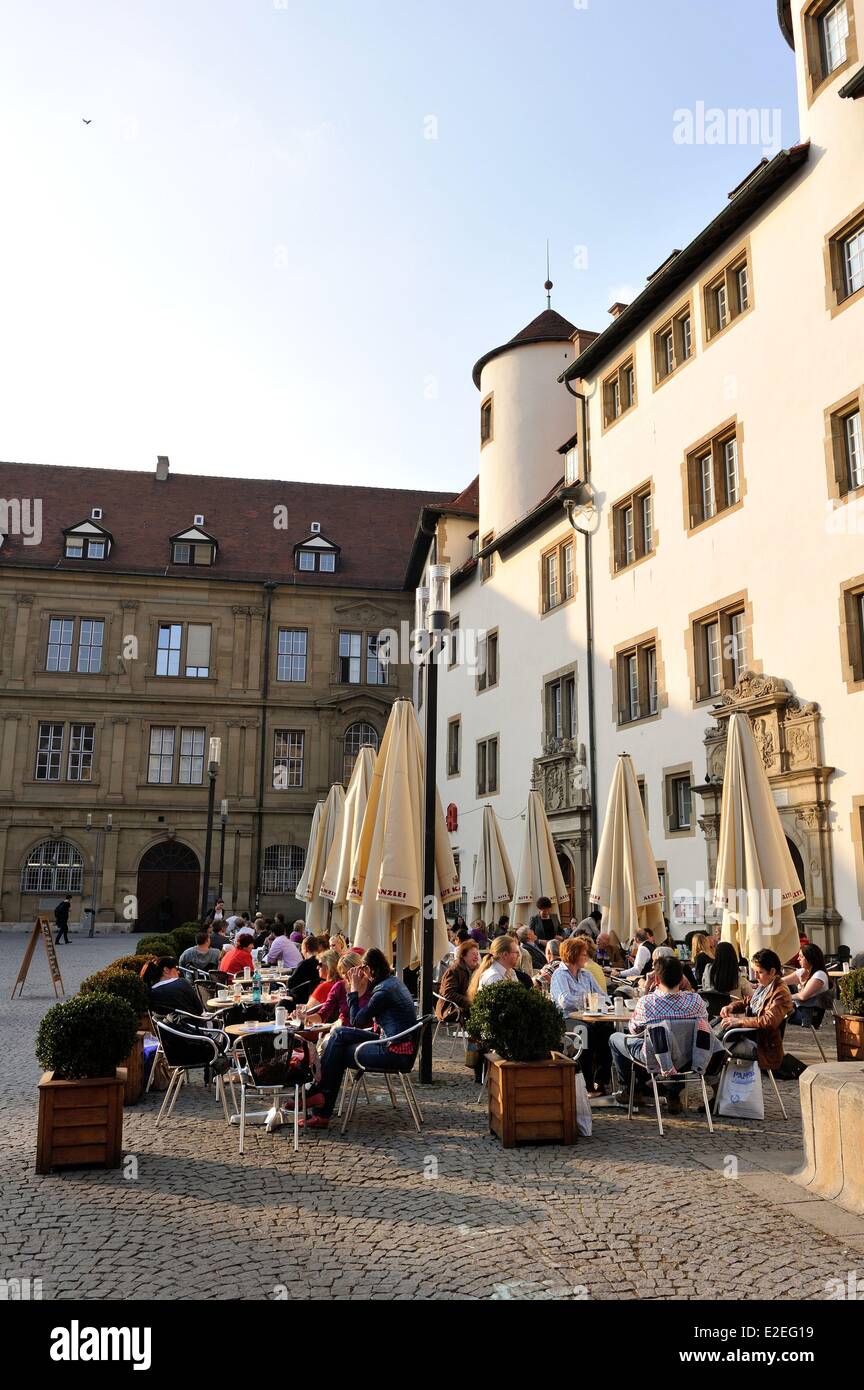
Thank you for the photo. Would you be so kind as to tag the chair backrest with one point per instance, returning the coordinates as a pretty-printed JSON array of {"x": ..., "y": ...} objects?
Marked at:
[
  {"x": 186, "y": 1047},
  {"x": 276, "y": 1058},
  {"x": 817, "y": 1006},
  {"x": 715, "y": 1000},
  {"x": 402, "y": 1049},
  {"x": 680, "y": 1044}
]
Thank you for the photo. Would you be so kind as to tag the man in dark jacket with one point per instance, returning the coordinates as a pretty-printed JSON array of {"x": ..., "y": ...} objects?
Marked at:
[
  {"x": 61, "y": 918},
  {"x": 545, "y": 923}
]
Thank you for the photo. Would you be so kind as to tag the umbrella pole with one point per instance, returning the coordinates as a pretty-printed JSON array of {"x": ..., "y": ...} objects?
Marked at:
[{"x": 429, "y": 907}]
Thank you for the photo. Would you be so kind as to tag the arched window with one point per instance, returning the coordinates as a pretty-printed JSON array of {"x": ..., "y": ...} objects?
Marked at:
[
  {"x": 356, "y": 735},
  {"x": 283, "y": 865},
  {"x": 53, "y": 866}
]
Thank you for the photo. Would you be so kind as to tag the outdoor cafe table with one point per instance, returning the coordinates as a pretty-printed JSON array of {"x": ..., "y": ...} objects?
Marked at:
[{"x": 605, "y": 1016}]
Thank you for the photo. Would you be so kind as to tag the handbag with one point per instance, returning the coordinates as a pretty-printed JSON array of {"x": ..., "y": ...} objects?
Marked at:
[
  {"x": 583, "y": 1108},
  {"x": 740, "y": 1092}
]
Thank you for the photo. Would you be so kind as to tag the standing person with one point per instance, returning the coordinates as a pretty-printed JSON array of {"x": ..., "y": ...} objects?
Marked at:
[
  {"x": 61, "y": 919},
  {"x": 219, "y": 936},
  {"x": 545, "y": 923},
  {"x": 591, "y": 923}
]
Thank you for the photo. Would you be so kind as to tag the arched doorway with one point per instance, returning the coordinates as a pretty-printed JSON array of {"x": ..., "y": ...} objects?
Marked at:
[
  {"x": 800, "y": 908},
  {"x": 169, "y": 883}
]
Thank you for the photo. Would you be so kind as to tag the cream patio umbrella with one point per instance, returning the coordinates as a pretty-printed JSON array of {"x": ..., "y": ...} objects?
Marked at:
[
  {"x": 493, "y": 876},
  {"x": 337, "y": 870},
  {"x": 625, "y": 883},
  {"x": 387, "y": 872},
  {"x": 326, "y": 824},
  {"x": 756, "y": 883},
  {"x": 539, "y": 873}
]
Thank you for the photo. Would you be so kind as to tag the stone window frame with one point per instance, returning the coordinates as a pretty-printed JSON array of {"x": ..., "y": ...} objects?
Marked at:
[
  {"x": 835, "y": 300},
  {"x": 816, "y": 79},
  {"x": 623, "y": 650},
  {"x": 672, "y": 322},
  {"x": 487, "y": 405},
  {"x": 486, "y": 740},
  {"x": 725, "y": 607},
  {"x": 851, "y": 636},
  {"x": 617, "y": 563},
  {"x": 185, "y": 622},
  {"x": 691, "y": 484},
  {"x": 483, "y": 676},
  {"x": 835, "y": 445},
  {"x": 46, "y": 617},
  {"x": 642, "y": 784},
  {"x": 291, "y": 730},
  {"x": 608, "y": 421},
  {"x": 178, "y": 724},
  {"x": 557, "y": 547},
  {"x": 669, "y": 776},
  {"x": 66, "y": 724},
  {"x": 454, "y": 722},
  {"x": 725, "y": 272},
  {"x": 487, "y": 563},
  {"x": 563, "y": 673}
]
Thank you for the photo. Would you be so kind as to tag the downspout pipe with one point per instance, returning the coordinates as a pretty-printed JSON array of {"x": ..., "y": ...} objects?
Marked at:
[
  {"x": 269, "y": 590},
  {"x": 589, "y": 621}
]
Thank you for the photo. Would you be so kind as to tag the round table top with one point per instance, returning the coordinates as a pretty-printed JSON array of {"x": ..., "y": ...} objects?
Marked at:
[
  {"x": 229, "y": 1003},
  {"x": 238, "y": 1030},
  {"x": 616, "y": 1016}
]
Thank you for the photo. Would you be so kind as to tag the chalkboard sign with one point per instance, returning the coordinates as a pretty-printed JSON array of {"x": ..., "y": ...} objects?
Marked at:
[{"x": 43, "y": 929}]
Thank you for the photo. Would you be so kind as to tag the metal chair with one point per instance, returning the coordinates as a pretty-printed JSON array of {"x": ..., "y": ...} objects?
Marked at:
[
  {"x": 185, "y": 1050},
  {"x": 715, "y": 1000},
  {"x": 454, "y": 1027},
  {"x": 658, "y": 1079},
  {"x": 744, "y": 1049},
  {"x": 278, "y": 1062},
  {"x": 814, "y": 1010},
  {"x": 403, "y": 1050}
]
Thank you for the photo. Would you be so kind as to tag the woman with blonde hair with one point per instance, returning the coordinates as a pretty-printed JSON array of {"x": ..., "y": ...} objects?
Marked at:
[
  {"x": 338, "y": 944},
  {"x": 498, "y": 963},
  {"x": 703, "y": 949},
  {"x": 336, "y": 1004}
]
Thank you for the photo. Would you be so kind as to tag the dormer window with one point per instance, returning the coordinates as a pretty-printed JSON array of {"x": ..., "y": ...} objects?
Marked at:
[
  {"x": 316, "y": 553},
  {"x": 193, "y": 547},
  {"x": 87, "y": 541}
]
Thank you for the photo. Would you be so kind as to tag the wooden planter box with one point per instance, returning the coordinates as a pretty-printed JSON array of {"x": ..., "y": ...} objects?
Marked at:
[
  {"x": 849, "y": 1035},
  {"x": 80, "y": 1123},
  {"x": 533, "y": 1102},
  {"x": 134, "y": 1069}
]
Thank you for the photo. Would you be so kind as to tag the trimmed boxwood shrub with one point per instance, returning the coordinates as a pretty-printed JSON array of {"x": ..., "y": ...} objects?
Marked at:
[
  {"x": 90, "y": 1035},
  {"x": 183, "y": 938},
  {"x": 120, "y": 984},
  {"x": 852, "y": 992},
  {"x": 155, "y": 946},
  {"x": 521, "y": 1025},
  {"x": 133, "y": 963}
]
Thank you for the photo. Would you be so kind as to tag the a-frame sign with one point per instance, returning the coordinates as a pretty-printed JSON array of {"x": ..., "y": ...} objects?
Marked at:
[{"x": 43, "y": 929}]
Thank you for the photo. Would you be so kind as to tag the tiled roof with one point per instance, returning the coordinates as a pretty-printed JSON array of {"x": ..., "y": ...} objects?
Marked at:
[
  {"x": 548, "y": 327},
  {"x": 373, "y": 526}
]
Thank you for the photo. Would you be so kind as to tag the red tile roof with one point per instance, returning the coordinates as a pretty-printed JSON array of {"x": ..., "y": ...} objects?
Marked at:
[
  {"x": 548, "y": 327},
  {"x": 374, "y": 526}
]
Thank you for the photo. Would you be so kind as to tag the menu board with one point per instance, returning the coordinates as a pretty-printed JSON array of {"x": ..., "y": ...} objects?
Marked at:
[{"x": 43, "y": 929}]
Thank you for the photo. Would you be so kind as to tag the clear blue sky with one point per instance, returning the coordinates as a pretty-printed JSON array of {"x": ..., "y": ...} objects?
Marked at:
[{"x": 254, "y": 261}]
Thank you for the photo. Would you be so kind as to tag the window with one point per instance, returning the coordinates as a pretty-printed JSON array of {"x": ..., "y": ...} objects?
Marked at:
[
  {"x": 673, "y": 343},
  {"x": 844, "y": 262},
  {"x": 50, "y": 740},
  {"x": 487, "y": 675},
  {"x": 844, "y": 447},
  {"x": 349, "y": 657},
  {"x": 192, "y": 553},
  {"x": 487, "y": 766},
  {"x": 306, "y": 560},
  {"x": 713, "y": 476},
  {"x": 288, "y": 748},
  {"x": 327, "y": 562},
  {"x": 679, "y": 807},
  {"x": 90, "y": 641},
  {"x": 619, "y": 392},
  {"x": 486, "y": 421},
  {"x": 560, "y": 708},
  {"x": 49, "y": 752},
  {"x": 852, "y": 450},
  {"x": 720, "y": 647},
  {"x": 79, "y": 767},
  {"x": 727, "y": 294},
  {"x": 357, "y": 736},
  {"x": 637, "y": 680},
  {"x": 852, "y": 632},
  {"x": 281, "y": 868},
  {"x": 183, "y": 647},
  {"x": 454, "y": 747},
  {"x": 86, "y": 547},
  {"x": 291, "y": 646},
  {"x": 830, "y": 43},
  {"x": 53, "y": 866},
  {"x": 557, "y": 576},
  {"x": 632, "y": 528},
  {"x": 160, "y": 762},
  {"x": 643, "y": 796},
  {"x": 60, "y": 635},
  {"x": 571, "y": 466},
  {"x": 487, "y": 564},
  {"x": 453, "y": 642},
  {"x": 833, "y": 33},
  {"x": 191, "y": 769},
  {"x": 309, "y": 560},
  {"x": 377, "y": 670}
]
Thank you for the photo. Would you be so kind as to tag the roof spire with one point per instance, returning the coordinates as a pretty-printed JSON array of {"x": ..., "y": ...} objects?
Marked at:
[{"x": 548, "y": 285}]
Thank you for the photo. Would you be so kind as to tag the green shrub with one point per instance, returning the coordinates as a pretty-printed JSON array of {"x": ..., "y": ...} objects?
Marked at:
[
  {"x": 120, "y": 984},
  {"x": 183, "y": 937},
  {"x": 521, "y": 1025},
  {"x": 852, "y": 991},
  {"x": 90, "y": 1035},
  {"x": 155, "y": 946},
  {"x": 133, "y": 963}
]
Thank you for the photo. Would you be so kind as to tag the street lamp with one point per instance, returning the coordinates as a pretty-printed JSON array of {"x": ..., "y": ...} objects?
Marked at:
[
  {"x": 212, "y": 770},
  {"x": 433, "y": 610},
  {"x": 223, "y": 821},
  {"x": 97, "y": 865}
]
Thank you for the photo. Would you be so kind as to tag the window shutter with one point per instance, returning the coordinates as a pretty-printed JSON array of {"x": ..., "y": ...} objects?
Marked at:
[
  {"x": 838, "y": 454},
  {"x": 693, "y": 492},
  {"x": 851, "y": 602},
  {"x": 697, "y": 639},
  {"x": 198, "y": 644}
]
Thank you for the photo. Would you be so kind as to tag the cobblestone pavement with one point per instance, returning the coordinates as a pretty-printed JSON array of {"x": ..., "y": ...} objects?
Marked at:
[{"x": 386, "y": 1213}]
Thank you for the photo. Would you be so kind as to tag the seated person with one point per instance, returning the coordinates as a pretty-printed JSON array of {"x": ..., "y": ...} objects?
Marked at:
[
  {"x": 649, "y": 981},
  {"x": 807, "y": 982},
  {"x": 327, "y": 978},
  {"x": 168, "y": 989},
  {"x": 283, "y": 951},
  {"x": 336, "y": 1004},
  {"x": 498, "y": 963},
  {"x": 610, "y": 951},
  {"x": 591, "y": 963},
  {"x": 528, "y": 941},
  {"x": 375, "y": 996},
  {"x": 201, "y": 956},
  {"x": 641, "y": 954},
  {"x": 723, "y": 975},
  {"x": 571, "y": 984},
  {"x": 305, "y": 977},
  {"x": 762, "y": 1015},
  {"x": 239, "y": 956},
  {"x": 703, "y": 948},
  {"x": 553, "y": 959},
  {"x": 453, "y": 1005},
  {"x": 668, "y": 1000},
  {"x": 219, "y": 937}
]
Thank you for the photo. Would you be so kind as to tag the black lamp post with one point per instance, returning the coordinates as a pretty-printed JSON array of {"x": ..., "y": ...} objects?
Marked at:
[
  {"x": 97, "y": 867},
  {"x": 212, "y": 770},
  {"x": 223, "y": 821},
  {"x": 433, "y": 617}
]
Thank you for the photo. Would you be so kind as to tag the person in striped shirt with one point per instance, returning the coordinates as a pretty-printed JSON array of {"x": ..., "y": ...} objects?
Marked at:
[{"x": 668, "y": 1000}]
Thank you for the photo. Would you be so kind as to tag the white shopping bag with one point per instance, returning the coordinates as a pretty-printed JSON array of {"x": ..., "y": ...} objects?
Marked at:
[
  {"x": 583, "y": 1108},
  {"x": 740, "y": 1093}
]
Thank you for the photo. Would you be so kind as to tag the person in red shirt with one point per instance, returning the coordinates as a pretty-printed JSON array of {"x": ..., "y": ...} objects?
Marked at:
[
  {"x": 238, "y": 956},
  {"x": 328, "y": 962}
]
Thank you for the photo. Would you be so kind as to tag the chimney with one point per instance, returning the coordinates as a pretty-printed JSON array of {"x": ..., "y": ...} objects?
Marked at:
[
  {"x": 617, "y": 308},
  {"x": 162, "y": 468}
]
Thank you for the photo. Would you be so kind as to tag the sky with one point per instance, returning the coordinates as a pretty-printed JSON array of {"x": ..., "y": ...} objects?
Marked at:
[{"x": 292, "y": 226}]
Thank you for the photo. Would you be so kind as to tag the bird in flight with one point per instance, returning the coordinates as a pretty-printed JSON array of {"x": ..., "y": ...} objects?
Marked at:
[{"x": 85, "y": 120}]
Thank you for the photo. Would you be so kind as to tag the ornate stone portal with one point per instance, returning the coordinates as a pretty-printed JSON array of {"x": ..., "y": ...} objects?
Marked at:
[
  {"x": 560, "y": 775},
  {"x": 789, "y": 735}
]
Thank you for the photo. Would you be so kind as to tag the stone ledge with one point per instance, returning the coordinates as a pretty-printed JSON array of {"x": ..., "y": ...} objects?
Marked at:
[{"x": 832, "y": 1118}]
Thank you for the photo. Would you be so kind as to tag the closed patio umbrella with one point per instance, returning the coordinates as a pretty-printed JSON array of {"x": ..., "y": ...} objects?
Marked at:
[
  {"x": 756, "y": 883},
  {"x": 325, "y": 828},
  {"x": 493, "y": 876},
  {"x": 539, "y": 873},
  {"x": 387, "y": 873},
  {"x": 625, "y": 884},
  {"x": 337, "y": 870}
]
